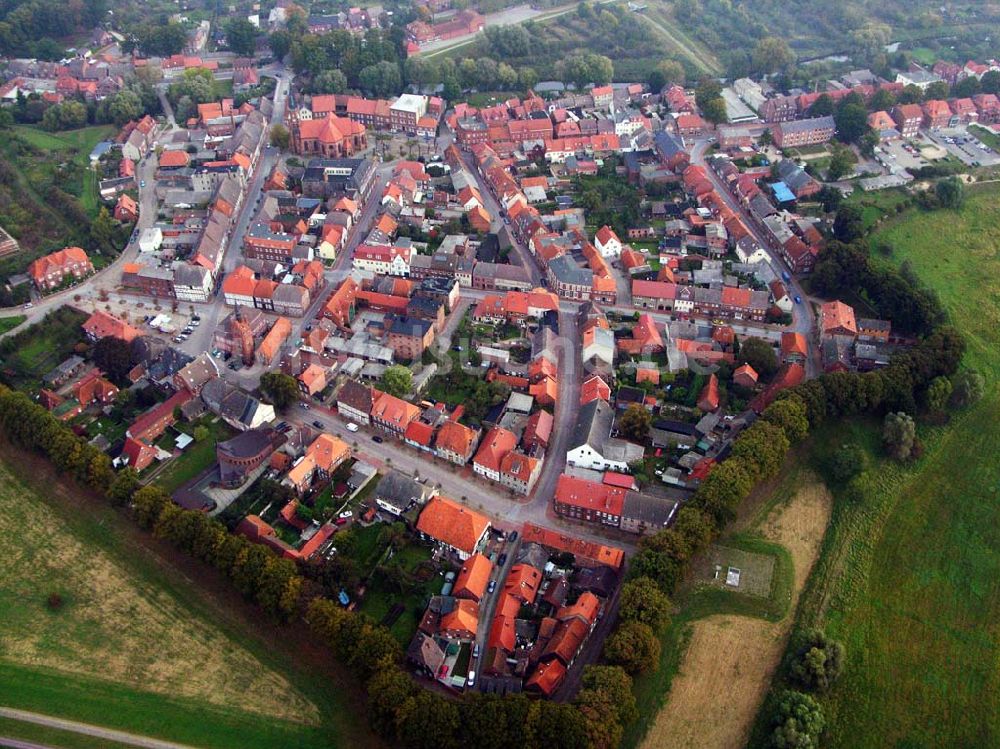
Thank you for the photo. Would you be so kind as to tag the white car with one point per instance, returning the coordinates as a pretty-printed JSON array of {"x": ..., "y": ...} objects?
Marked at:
[
  {"x": 345, "y": 515},
  {"x": 352, "y": 427}
]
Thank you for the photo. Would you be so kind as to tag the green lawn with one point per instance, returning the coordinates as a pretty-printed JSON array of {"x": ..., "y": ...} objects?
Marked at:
[
  {"x": 197, "y": 457},
  {"x": 989, "y": 137},
  {"x": 909, "y": 576},
  {"x": 9, "y": 323},
  {"x": 139, "y": 645},
  {"x": 877, "y": 205}
]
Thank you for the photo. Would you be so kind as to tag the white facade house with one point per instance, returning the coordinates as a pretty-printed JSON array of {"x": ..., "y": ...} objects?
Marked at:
[
  {"x": 383, "y": 259},
  {"x": 607, "y": 242},
  {"x": 150, "y": 239},
  {"x": 192, "y": 283}
]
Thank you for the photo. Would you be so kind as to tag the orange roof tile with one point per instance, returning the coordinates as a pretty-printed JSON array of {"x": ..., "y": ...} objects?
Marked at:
[
  {"x": 449, "y": 522},
  {"x": 473, "y": 578}
]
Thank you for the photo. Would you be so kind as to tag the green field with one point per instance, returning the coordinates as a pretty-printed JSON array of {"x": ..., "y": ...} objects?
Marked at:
[
  {"x": 140, "y": 645},
  {"x": 909, "y": 577}
]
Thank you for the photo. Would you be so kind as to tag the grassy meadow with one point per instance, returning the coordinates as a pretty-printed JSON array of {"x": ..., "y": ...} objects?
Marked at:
[
  {"x": 909, "y": 576},
  {"x": 135, "y": 643}
]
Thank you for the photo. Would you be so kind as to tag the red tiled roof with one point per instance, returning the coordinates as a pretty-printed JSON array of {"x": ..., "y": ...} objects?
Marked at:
[{"x": 451, "y": 523}]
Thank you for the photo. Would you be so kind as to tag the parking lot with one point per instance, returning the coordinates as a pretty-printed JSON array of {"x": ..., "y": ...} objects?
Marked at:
[{"x": 965, "y": 146}]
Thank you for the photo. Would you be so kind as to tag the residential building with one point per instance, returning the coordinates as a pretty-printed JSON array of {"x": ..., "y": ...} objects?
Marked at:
[
  {"x": 396, "y": 493},
  {"x": 355, "y": 401},
  {"x": 588, "y": 501},
  {"x": 103, "y": 324},
  {"x": 591, "y": 445},
  {"x": 456, "y": 528},
  {"x": 493, "y": 449},
  {"x": 409, "y": 337},
  {"x": 806, "y": 132},
  {"x": 50, "y": 271},
  {"x": 455, "y": 442},
  {"x": 392, "y": 414}
]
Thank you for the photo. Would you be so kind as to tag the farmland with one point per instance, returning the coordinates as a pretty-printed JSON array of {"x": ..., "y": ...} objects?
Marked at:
[
  {"x": 94, "y": 616},
  {"x": 907, "y": 579}
]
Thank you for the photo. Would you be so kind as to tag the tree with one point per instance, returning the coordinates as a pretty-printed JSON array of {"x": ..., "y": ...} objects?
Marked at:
[
  {"x": 911, "y": 94},
  {"x": 642, "y": 601},
  {"x": 633, "y": 646},
  {"x": 381, "y": 79},
  {"x": 950, "y": 192},
  {"x": 715, "y": 111},
  {"x": 527, "y": 78},
  {"x": 771, "y": 55},
  {"x": 606, "y": 703},
  {"x": 851, "y": 121},
  {"x": 760, "y": 355},
  {"x": 113, "y": 355},
  {"x": 848, "y": 225},
  {"x": 937, "y": 90},
  {"x": 842, "y": 162},
  {"x": 427, "y": 721},
  {"x": 938, "y": 394},
  {"x": 822, "y": 107},
  {"x": 332, "y": 82},
  {"x": 882, "y": 100},
  {"x": 397, "y": 380},
  {"x": 816, "y": 661},
  {"x": 990, "y": 82},
  {"x": 790, "y": 414},
  {"x": 241, "y": 35},
  {"x": 968, "y": 387},
  {"x": 635, "y": 423},
  {"x": 102, "y": 230},
  {"x": 797, "y": 721},
  {"x": 280, "y": 137},
  {"x": 200, "y": 433},
  {"x": 846, "y": 462},
  {"x": 280, "y": 42},
  {"x": 123, "y": 487},
  {"x": 124, "y": 106},
  {"x": 672, "y": 72},
  {"x": 282, "y": 389},
  {"x": 899, "y": 435},
  {"x": 966, "y": 88}
]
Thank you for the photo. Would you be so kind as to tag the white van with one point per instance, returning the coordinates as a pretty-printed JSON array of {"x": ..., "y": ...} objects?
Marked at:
[{"x": 352, "y": 427}]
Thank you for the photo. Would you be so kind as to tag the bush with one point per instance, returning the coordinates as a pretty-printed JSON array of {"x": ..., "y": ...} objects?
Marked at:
[{"x": 54, "y": 601}]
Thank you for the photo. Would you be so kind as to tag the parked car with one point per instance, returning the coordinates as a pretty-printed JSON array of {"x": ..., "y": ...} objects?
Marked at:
[
  {"x": 798, "y": 299},
  {"x": 475, "y": 650},
  {"x": 346, "y": 514},
  {"x": 376, "y": 438},
  {"x": 502, "y": 560},
  {"x": 513, "y": 535},
  {"x": 305, "y": 406},
  {"x": 318, "y": 424},
  {"x": 492, "y": 586},
  {"x": 471, "y": 681},
  {"x": 352, "y": 427}
]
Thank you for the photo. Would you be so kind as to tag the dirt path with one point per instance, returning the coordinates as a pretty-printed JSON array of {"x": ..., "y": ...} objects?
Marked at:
[{"x": 730, "y": 660}]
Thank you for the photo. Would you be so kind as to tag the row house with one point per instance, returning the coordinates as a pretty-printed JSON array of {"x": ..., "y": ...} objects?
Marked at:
[
  {"x": 261, "y": 243},
  {"x": 807, "y": 132},
  {"x": 387, "y": 260},
  {"x": 50, "y": 271}
]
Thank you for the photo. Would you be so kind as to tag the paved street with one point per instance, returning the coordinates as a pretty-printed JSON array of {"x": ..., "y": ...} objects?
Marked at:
[{"x": 802, "y": 317}]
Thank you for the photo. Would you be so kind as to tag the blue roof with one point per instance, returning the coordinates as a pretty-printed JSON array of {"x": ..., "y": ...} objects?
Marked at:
[{"x": 781, "y": 193}]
